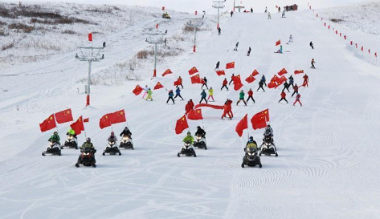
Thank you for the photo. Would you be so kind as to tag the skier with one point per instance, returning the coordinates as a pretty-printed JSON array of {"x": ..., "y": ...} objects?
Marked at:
[
  {"x": 241, "y": 98},
  {"x": 286, "y": 86},
  {"x": 145, "y": 91},
  {"x": 189, "y": 106},
  {"x": 263, "y": 79},
  {"x": 298, "y": 97},
  {"x": 200, "y": 132},
  {"x": 283, "y": 14},
  {"x": 217, "y": 65},
  {"x": 203, "y": 95},
  {"x": 225, "y": 82},
  {"x": 219, "y": 30},
  {"x": 290, "y": 38},
  {"x": 261, "y": 85},
  {"x": 149, "y": 95},
  {"x": 291, "y": 80},
  {"x": 204, "y": 14},
  {"x": 180, "y": 80},
  {"x": 249, "y": 51},
  {"x": 55, "y": 138},
  {"x": 283, "y": 97},
  {"x": 232, "y": 13},
  {"x": 266, "y": 9},
  {"x": 305, "y": 81},
  {"x": 295, "y": 88},
  {"x": 211, "y": 94},
  {"x": 204, "y": 83},
  {"x": 126, "y": 132},
  {"x": 236, "y": 46},
  {"x": 312, "y": 63},
  {"x": 250, "y": 96},
  {"x": 178, "y": 93},
  {"x": 280, "y": 50},
  {"x": 251, "y": 10},
  {"x": 232, "y": 79},
  {"x": 311, "y": 44},
  {"x": 269, "y": 16},
  {"x": 279, "y": 9},
  {"x": 171, "y": 94}
]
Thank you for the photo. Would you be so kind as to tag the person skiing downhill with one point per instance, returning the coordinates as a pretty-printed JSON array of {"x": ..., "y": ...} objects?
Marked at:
[
  {"x": 149, "y": 95},
  {"x": 291, "y": 80},
  {"x": 263, "y": 79},
  {"x": 232, "y": 13},
  {"x": 241, "y": 98},
  {"x": 312, "y": 63},
  {"x": 217, "y": 65},
  {"x": 266, "y": 9},
  {"x": 249, "y": 51},
  {"x": 295, "y": 88},
  {"x": 211, "y": 94},
  {"x": 225, "y": 82},
  {"x": 286, "y": 86},
  {"x": 283, "y": 14},
  {"x": 261, "y": 85},
  {"x": 219, "y": 30},
  {"x": 170, "y": 94},
  {"x": 305, "y": 81},
  {"x": 283, "y": 97},
  {"x": 203, "y": 95},
  {"x": 146, "y": 88},
  {"x": 269, "y": 16},
  {"x": 178, "y": 93},
  {"x": 250, "y": 96},
  {"x": 290, "y": 38},
  {"x": 311, "y": 45},
  {"x": 236, "y": 46},
  {"x": 204, "y": 83},
  {"x": 298, "y": 99}
]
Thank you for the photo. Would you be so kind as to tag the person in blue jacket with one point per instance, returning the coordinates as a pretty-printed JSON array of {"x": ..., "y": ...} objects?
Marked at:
[
  {"x": 178, "y": 93},
  {"x": 171, "y": 94}
]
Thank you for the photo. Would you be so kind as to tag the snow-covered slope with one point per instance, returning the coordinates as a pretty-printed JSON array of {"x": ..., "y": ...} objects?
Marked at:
[{"x": 328, "y": 153}]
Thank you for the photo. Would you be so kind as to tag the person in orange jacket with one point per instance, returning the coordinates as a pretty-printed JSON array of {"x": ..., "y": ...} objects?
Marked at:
[
  {"x": 298, "y": 97},
  {"x": 283, "y": 97},
  {"x": 225, "y": 82}
]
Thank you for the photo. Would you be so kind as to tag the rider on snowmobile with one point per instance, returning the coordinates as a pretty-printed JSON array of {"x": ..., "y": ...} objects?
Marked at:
[
  {"x": 126, "y": 132},
  {"x": 55, "y": 138},
  {"x": 88, "y": 145},
  {"x": 71, "y": 132},
  {"x": 268, "y": 130},
  {"x": 112, "y": 137},
  {"x": 189, "y": 138},
  {"x": 251, "y": 144},
  {"x": 200, "y": 132}
]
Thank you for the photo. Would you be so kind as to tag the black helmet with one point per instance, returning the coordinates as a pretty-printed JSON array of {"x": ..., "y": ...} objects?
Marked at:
[
  {"x": 55, "y": 133},
  {"x": 88, "y": 140},
  {"x": 198, "y": 127},
  {"x": 250, "y": 138}
]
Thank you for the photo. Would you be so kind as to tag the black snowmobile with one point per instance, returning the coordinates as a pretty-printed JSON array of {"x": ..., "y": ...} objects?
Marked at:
[
  {"x": 87, "y": 157},
  {"x": 126, "y": 142},
  {"x": 200, "y": 142},
  {"x": 187, "y": 150},
  {"x": 251, "y": 158},
  {"x": 54, "y": 149},
  {"x": 267, "y": 147},
  {"x": 71, "y": 142},
  {"x": 111, "y": 149}
]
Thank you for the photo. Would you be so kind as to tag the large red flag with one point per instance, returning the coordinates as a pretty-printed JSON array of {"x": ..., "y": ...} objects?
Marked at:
[
  {"x": 230, "y": 65},
  {"x": 238, "y": 86},
  {"x": 117, "y": 117},
  {"x": 178, "y": 82},
  {"x": 195, "y": 114},
  {"x": 181, "y": 125},
  {"x": 298, "y": 72},
  {"x": 193, "y": 70},
  {"x": 195, "y": 79},
  {"x": 168, "y": 71},
  {"x": 105, "y": 121},
  {"x": 64, "y": 116},
  {"x": 78, "y": 126},
  {"x": 250, "y": 79},
  {"x": 90, "y": 37},
  {"x": 220, "y": 73},
  {"x": 282, "y": 72},
  {"x": 260, "y": 119},
  {"x": 283, "y": 79},
  {"x": 137, "y": 90},
  {"x": 275, "y": 79},
  {"x": 255, "y": 72},
  {"x": 274, "y": 84},
  {"x": 158, "y": 86},
  {"x": 243, "y": 124},
  {"x": 278, "y": 42},
  {"x": 48, "y": 124}
]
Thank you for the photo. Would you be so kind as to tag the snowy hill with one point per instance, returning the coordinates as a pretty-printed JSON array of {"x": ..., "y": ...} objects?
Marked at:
[{"x": 328, "y": 153}]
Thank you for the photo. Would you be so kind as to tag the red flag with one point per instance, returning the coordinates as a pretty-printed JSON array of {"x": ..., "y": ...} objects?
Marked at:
[
  {"x": 220, "y": 73},
  {"x": 156, "y": 26},
  {"x": 178, "y": 82},
  {"x": 196, "y": 79},
  {"x": 260, "y": 119},
  {"x": 336, "y": 32},
  {"x": 283, "y": 79},
  {"x": 325, "y": 24},
  {"x": 345, "y": 37},
  {"x": 78, "y": 126},
  {"x": 340, "y": 34},
  {"x": 195, "y": 114},
  {"x": 117, "y": 117},
  {"x": 255, "y": 72},
  {"x": 351, "y": 42},
  {"x": 369, "y": 51},
  {"x": 230, "y": 65},
  {"x": 181, "y": 125},
  {"x": 193, "y": 70},
  {"x": 238, "y": 85},
  {"x": 137, "y": 90},
  {"x": 64, "y": 116},
  {"x": 243, "y": 124},
  {"x": 90, "y": 37},
  {"x": 105, "y": 121},
  {"x": 250, "y": 79},
  {"x": 278, "y": 42},
  {"x": 329, "y": 27},
  {"x": 362, "y": 48},
  {"x": 282, "y": 72},
  {"x": 274, "y": 84},
  {"x": 86, "y": 120},
  {"x": 376, "y": 54},
  {"x": 298, "y": 72},
  {"x": 275, "y": 79},
  {"x": 48, "y": 124},
  {"x": 158, "y": 86},
  {"x": 167, "y": 72}
]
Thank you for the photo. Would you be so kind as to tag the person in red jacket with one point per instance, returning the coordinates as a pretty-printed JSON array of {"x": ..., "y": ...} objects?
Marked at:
[
  {"x": 250, "y": 96},
  {"x": 295, "y": 88},
  {"x": 283, "y": 97},
  {"x": 189, "y": 106},
  {"x": 180, "y": 80},
  {"x": 226, "y": 109},
  {"x": 298, "y": 97},
  {"x": 305, "y": 81},
  {"x": 229, "y": 103},
  {"x": 225, "y": 82}
]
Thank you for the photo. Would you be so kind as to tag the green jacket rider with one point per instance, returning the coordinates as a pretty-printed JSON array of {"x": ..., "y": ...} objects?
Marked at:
[
  {"x": 55, "y": 137},
  {"x": 189, "y": 138}
]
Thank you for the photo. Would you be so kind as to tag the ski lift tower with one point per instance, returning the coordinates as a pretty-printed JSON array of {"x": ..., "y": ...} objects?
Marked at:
[
  {"x": 195, "y": 24},
  {"x": 218, "y": 5},
  {"x": 90, "y": 54},
  {"x": 155, "y": 38}
]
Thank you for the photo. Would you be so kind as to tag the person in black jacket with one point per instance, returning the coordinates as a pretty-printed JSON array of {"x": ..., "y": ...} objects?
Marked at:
[
  {"x": 200, "y": 132},
  {"x": 126, "y": 132}
]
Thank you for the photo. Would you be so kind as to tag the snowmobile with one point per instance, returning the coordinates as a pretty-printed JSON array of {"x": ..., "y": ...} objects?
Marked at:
[
  {"x": 267, "y": 147},
  {"x": 53, "y": 148},
  {"x": 251, "y": 158},
  {"x": 126, "y": 142},
  {"x": 187, "y": 150},
  {"x": 111, "y": 149},
  {"x": 166, "y": 15},
  {"x": 71, "y": 142},
  {"x": 87, "y": 157},
  {"x": 200, "y": 142}
]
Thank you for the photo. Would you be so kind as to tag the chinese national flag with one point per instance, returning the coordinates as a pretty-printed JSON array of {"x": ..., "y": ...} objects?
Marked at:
[
  {"x": 137, "y": 90},
  {"x": 48, "y": 124},
  {"x": 167, "y": 72},
  {"x": 260, "y": 120},
  {"x": 329, "y": 27},
  {"x": 90, "y": 37},
  {"x": 298, "y": 72},
  {"x": 117, "y": 117},
  {"x": 86, "y": 120},
  {"x": 177, "y": 82},
  {"x": 275, "y": 79},
  {"x": 181, "y": 125},
  {"x": 238, "y": 85},
  {"x": 274, "y": 84},
  {"x": 230, "y": 65},
  {"x": 282, "y": 72},
  {"x": 243, "y": 124},
  {"x": 105, "y": 121},
  {"x": 195, "y": 79},
  {"x": 193, "y": 70},
  {"x": 78, "y": 126},
  {"x": 156, "y": 26},
  {"x": 195, "y": 114},
  {"x": 64, "y": 116},
  {"x": 220, "y": 73},
  {"x": 255, "y": 72},
  {"x": 278, "y": 42},
  {"x": 250, "y": 79},
  {"x": 158, "y": 86}
]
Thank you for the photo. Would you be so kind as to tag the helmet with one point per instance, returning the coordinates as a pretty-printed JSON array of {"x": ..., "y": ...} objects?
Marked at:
[
  {"x": 250, "y": 138},
  {"x": 88, "y": 140},
  {"x": 188, "y": 133},
  {"x": 198, "y": 127},
  {"x": 112, "y": 133},
  {"x": 55, "y": 133}
]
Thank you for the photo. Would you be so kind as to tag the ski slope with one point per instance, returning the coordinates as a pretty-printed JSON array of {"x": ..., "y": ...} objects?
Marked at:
[{"x": 328, "y": 151}]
